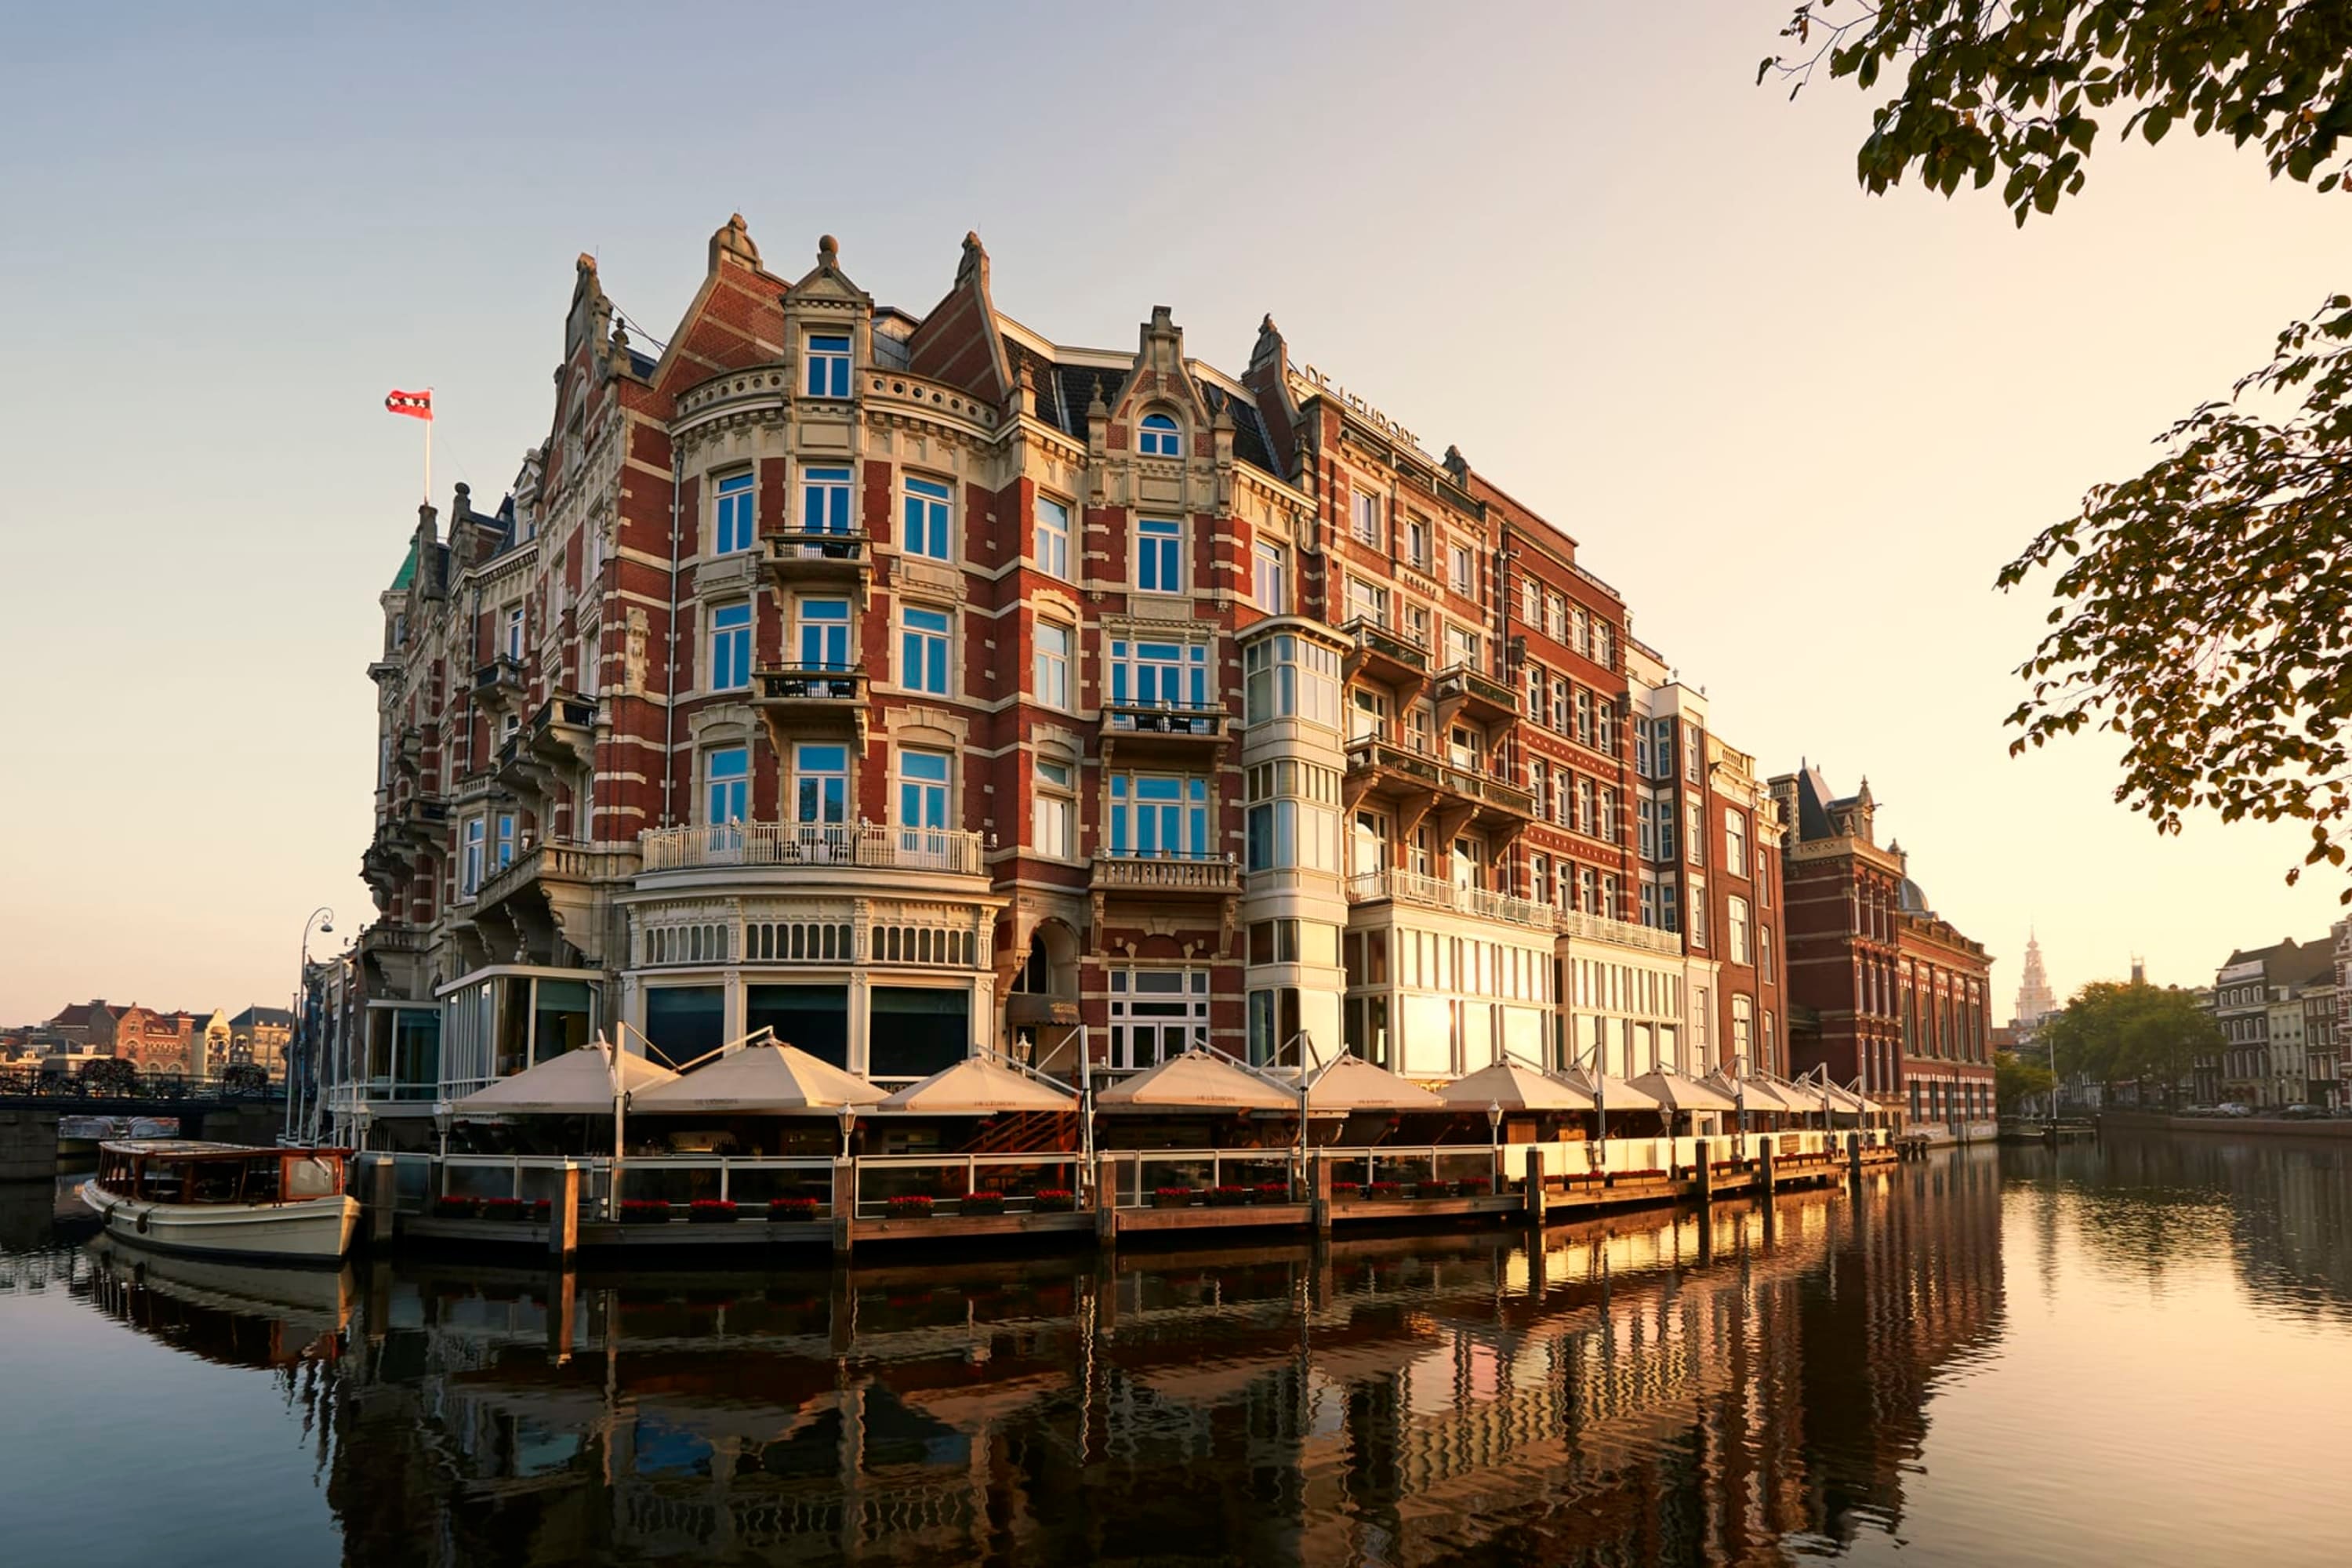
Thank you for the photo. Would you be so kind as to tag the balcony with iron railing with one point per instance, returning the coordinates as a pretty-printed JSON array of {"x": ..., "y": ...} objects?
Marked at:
[
  {"x": 1375, "y": 765},
  {"x": 1464, "y": 692},
  {"x": 799, "y": 698},
  {"x": 799, "y": 556},
  {"x": 1131, "y": 729},
  {"x": 829, "y": 848},
  {"x": 562, "y": 733},
  {"x": 1166, "y": 876},
  {"x": 499, "y": 681},
  {"x": 1623, "y": 933},
  {"x": 1385, "y": 654}
]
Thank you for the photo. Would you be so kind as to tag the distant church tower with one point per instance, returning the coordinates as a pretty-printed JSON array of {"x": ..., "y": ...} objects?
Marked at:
[{"x": 2035, "y": 1002}]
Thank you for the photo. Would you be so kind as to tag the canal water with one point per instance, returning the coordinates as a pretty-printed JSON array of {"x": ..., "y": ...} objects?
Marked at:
[{"x": 2138, "y": 1352}]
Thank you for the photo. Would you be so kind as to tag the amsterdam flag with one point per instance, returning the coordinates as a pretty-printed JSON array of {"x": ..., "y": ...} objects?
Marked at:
[{"x": 415, "y": 404}]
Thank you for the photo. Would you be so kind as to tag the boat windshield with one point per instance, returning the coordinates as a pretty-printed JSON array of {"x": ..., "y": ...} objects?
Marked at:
[{"x": 311, "y": 1177}]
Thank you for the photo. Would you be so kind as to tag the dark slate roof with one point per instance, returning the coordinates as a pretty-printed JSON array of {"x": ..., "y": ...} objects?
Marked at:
[
  {"x": 262, "y": 1018},
  {"x": 1813, "y": 801},
  {"x": 1250, "y": 442},
  {"x": 1074, "y": 389}
]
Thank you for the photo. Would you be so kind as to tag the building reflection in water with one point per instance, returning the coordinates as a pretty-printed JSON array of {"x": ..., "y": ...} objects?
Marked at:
[{"x": 1645, "y": 1392}]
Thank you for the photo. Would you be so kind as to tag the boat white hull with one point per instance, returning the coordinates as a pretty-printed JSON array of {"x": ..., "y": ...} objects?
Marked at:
[{"x": 312, "y": 1230}]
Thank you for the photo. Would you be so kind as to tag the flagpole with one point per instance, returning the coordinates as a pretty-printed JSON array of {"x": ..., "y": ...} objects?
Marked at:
[{"x": 428, "y": 446}]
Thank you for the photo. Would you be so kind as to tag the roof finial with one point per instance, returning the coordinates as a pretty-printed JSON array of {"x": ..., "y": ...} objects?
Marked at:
[{"x": 828, "y": 252}]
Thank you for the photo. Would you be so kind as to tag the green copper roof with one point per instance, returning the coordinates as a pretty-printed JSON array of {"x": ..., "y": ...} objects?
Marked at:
[{"x": 399, "y": 579}]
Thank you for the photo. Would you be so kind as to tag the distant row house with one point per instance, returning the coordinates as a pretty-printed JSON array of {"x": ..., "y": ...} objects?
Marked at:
[{"x": 2285, "y": 1015}]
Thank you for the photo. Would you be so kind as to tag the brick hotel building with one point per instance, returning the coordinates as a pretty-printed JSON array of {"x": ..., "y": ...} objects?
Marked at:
[{"x": 912, "y": 684}]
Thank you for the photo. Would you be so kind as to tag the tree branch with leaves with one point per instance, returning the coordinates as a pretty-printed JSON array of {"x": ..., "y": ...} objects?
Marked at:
[{"x": 2204, "y": 607}]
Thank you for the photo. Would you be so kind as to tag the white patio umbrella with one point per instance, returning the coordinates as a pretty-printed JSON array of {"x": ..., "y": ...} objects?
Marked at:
[
  {"x": 1514, "y": 1086},
  {"x": 979, "y": 1086},
  {"x": 1195, "y": 1080},
  {"x": 1352, "y": 1083},
  {"x": 582, "y": 1082},
  {"x": 764, "y": 1079}
]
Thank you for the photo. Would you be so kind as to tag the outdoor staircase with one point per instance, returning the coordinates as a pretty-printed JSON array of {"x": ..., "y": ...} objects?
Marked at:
[{"x": 1031, "y": 1131}]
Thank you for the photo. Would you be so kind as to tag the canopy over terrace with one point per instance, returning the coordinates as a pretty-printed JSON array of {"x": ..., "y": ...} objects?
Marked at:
[
  {"x": 1611, "y": 1093},
  {"x": 1350, "y": 1084},
  {"x": 979, "y": 1086},
  {"x": 763, "y": 1080},
  {"x": 1674, "y": 1092},
  {"x": 581, "y": 1082},
  {"x": 1515, "y": 1087},
  {"x": 1760, "y": 1096},
  {"x": 1196, "y": 1080}
]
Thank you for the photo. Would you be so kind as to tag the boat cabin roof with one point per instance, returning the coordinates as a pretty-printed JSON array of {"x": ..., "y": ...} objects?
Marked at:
[{"x": 194, "y": 1148}]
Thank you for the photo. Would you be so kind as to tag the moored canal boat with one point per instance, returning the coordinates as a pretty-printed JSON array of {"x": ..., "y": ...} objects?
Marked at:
[{"x": 225, "y": 1199}]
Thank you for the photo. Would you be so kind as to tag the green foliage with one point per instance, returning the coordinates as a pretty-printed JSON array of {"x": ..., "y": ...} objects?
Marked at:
[
  {"x": 2205, "y": 607},
  {"x": 1988, "y": 86},
  {"x": 2123, "y": 1033},
  {"x": 2013, "y": 1080}
]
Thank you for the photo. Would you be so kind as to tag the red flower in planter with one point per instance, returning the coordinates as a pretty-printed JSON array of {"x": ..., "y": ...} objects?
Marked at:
[
  {"x": 1385, "y": 1189},
  {"x": 1229, "y": 1196},
  {"x": 1054, "y": 1200},
  {"x": 1345, "y": 1189},
  {"x": 1434, "y": 1189},
  {"x": 1472, "y": 1186},
  {"x": 911, "y": 1205},
  {"x": 1274, "y": 1192},
  {"x": 791, "y": 1208},
  {"x": 711, "y": 1211},
  {"x": 980, "y": 1203}
]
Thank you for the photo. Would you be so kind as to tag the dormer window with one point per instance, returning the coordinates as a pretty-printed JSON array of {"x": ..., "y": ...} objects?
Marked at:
[
  {"x": 828, "y": 364},
  {"x": 1159, "y": 437}
]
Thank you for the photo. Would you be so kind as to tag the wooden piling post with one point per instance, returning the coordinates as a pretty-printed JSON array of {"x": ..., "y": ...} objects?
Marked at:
[
  {"x": 1106, "y": 1201},
  {"x": 564, "y": 1218},
  {"x": 844, "y": 1204},
  {"x": 1320, "y": 1205},
  {"x": 1531, "y": 1194},
  {"x": 1764, "y": 1178},
  {"x": 1706, "y": 1175}
]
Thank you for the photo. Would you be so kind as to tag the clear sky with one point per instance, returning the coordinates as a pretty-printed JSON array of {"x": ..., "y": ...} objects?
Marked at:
[{"x": 1800, "y": 427}]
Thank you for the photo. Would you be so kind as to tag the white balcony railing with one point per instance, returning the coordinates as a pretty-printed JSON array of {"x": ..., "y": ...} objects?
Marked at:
[
  {"x": 864, "y": 845},
  {"x": 1436, "y": 893},
  {"x": 1624, "y": 934}
]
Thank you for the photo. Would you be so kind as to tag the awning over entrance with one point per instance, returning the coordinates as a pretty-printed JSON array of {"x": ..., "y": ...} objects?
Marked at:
[
  {"x": 763, "y": 1080},
  {"x": 577, "y": 1083},
  {"x": 979, "y": 1086},
  {"x": 1352, "y": 1083},
  {"x": 1195, "y": 1080},
  {"x": 1514, "y": 1086}
]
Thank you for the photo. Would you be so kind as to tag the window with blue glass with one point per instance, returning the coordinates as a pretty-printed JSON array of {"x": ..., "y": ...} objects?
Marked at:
[
  {"x": 1159, "y": 556},
  {"x": 828, "y": 365},
  {"x": 821, "y": 783},
  {"x": 824, "y": 634},
  {"x": 730, "y": 647},
  {"x": 736, "y": 524},
  {"x": 1159, "y": 437},
  {"x": 923, "y": 789},
  {"x": 923, "y": 650},
  {"x": 1158, "y": 674},
  {"x": 825, "y": 500},
  {"x": 925, "y": 515},
  {"x": 727, "y": 774},
  {"x": 1160, "y": 815}
]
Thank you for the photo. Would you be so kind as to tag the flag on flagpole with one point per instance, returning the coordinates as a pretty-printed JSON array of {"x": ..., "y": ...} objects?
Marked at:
[{"x": 415, "y": 405}]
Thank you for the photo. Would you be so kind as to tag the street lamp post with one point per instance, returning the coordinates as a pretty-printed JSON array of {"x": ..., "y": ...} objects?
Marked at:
[{"x": 324, "y": 919}]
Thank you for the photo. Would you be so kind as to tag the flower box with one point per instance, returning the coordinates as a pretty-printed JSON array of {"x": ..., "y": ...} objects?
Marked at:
[
  {"x": 1274, "y": 1192},
  {"x": 1432, "y": 1189},
  {"x": 1171, "y": 1197},
  {"x": 1473, "y": 1186},
  {"x": 711, "y": 1211},
  {"x": 980, "y": 1203},
  {"x": 643, "y": 1211},
  {"x": 1228, "y": 1197},
  {"x": 1055, "y": 1200},
  {"x": 1346, "y": 1189},
  {"x": 910, "y": 1205},
  {"x": 792, "y": 1210},
  {"x": 1386, "y": 1189},
  {"x": 511, "y": 1210},
  {"x": 455, "y": 1209}
]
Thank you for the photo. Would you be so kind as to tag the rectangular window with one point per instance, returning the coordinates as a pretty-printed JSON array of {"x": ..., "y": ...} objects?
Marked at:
[
  {"x": 514, "y": 627},
  {"x": 1286, "y": 677},
  {"x": 735, "y": 522},
  {"x": 923, "y": 789},
  {"x": 1158, "y": 674},
  {"x": 1695, "y": 832},
  {"x": 821, "y": 784},
  {"x": 1641, "y": 747},
  {"x": 1691, "y": 752},
  {"x": 825, "y": 500},
  {"x": 1579, "y": 630},
  {"x": 1416, "y": 543},
  {"x": 1665, "y": 829},
  {"x": 1650, "y": 904},
  {"x": 823, "y": 634},
  {"x": 1155, "y": 1013},
  {"x": 1052, "y": 544},
  {"x": 924, "y": 510},
  {"x": 1464, "y": 572},
  {"x": 1669, "y": 916},
  {"x": 727, "y": 779},
  {"x": 1604, "y": 646},
  {"x": 1368, "y": 601},
  {"x": 1053, "y": 672},
  {"x": 1160, "y": 815},
  {"x": 1586, "y": 731},
  {"x": 1734, "y": 842},
  {"x": 1460, "y": 647},
  {"x": 502, "y": 848},
  {"x": 470, "y": 872},
  {"x": 1736, "y": 928},
  {"x": 1556, "y": 616},
  {"x": 828, "y": 365},
  {"x": 1606, "y": 826},
  {"x": 1531, "y": 605},
  {"x": 923, "y": 650},
  {"x": 1368, "y": 519},
  {"x": 1270, "y": 580},
  {"x": 730, "y": 647},
  {"x": 1646, "y": 822},
  {"x": 1663, "y": 760},
  {"x": 1697, "y": 912},
  {"x": 1158, "y": 556},
  {"x": 1054, "y": 810}
]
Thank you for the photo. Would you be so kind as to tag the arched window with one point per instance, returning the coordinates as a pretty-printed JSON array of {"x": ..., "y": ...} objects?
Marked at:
[{"x": 1159, "y": 437}]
